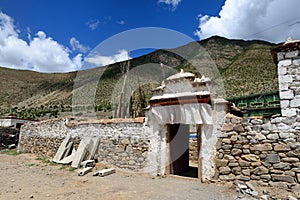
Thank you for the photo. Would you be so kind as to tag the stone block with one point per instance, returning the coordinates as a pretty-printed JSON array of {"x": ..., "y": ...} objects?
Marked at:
[
  {"x": 246, "y": 172},
  {"x": 238, "y": 128},
  {"x": 224, "y": 170},
  {"x": 296, "y": 61},
  {"x": 257, "y": 121},
  {"x": 233, "y": 164},
  {"x": 236, "y": 170},
  {"x": 276, "y": 171},
  {"x": 273, "y": 158},
  {"x": 261, "y": 147},
  {"x": 259, "y": 137},
  {"x": 296, "y": 170},
  {"x": 282, "y": 147},
  {"x": 243, "y": 178},
  {"x": 260, "y": 170},
  {"x": 282, "y": 155},
  {"x": 285, "y": 62},
  {"x": 226, "y": 141},
  {"x": 282, "y": 166},
  {"x": 295, "y": 103},
  {"x": 229, "y": 157},
  {"x": 221, "y": 162},
  {"x": 295, "y": 145},
  {"x": 280, "y": 56},
  {"x": 265, "y": 177},
  {"x": 289, "y": 120},
  {"x": 285, "y": 79},
  {"x": 255, "y": 164},
  {"x": 288, "y": 112},
  {"x": 229, "y": 177},
  {"x": 227, "y": 147},
  {"x": 286, "y": 95},
  {"x": 283, "y": 126},
  {"x": 285, "y": 135},
  {"x": 273, "y": 136},
  {"x": 256, "y": 128},
  {"x": 284, "y": 178},
  {"x": 243, "y": 163},
  {"x": 292, "y": 54},
  {"x": 255, "y": 177},
  {"x": 297, "y": 165},
  {"x": 284, "y": 103},
  {"x": 298, "y": 177},
  {"x": 290, "y": 159},
  {"x": 238, "y": 146},
  {"x": 282, "y": 70},
  {"x": 234, "y": 138},
  {"x": 227, "y": 127},
  {"x": 236, "y": 152},
  {"x": 293, "y": 154},
  {"x": 251, "y": 158}
]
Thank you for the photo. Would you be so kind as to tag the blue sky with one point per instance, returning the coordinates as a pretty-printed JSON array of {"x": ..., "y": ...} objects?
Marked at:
[{"x": 57, "y": 36}]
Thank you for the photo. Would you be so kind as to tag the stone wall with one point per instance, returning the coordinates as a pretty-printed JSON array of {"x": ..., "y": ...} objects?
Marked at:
[
  {"x": 123, "y": 143},
  {"x": 287, "y": 58},
  {"x": 266, "y": 150},
  {"x": 193, "y": 150}
]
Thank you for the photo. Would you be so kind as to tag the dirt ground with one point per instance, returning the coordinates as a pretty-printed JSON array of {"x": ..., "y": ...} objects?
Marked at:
[{"x": 27, "y": 176}]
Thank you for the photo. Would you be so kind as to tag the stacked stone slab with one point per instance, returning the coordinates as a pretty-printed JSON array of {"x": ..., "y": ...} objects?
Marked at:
[{"x": 265, "y": 150}]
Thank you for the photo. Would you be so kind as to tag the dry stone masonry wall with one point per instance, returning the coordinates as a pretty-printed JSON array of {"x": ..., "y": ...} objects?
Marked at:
[
  {"x": 289, "y": 82},
  {"x": 122, "y": 144},
  {"x": 265, "y": 150}
]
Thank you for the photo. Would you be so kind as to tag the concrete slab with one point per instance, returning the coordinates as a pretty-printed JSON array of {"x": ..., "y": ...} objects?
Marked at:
[
  {"x": 81, "y": 152},
  {"x": 62, "y": 149}
]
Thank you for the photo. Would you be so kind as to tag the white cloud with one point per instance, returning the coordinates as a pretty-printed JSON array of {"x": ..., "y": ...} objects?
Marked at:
[
  {"x": 173, "y": 3},
  {"x": 42, "y": 53},
  {"x": 77, "y": 46},
  {"x": 99, "y": 60},
  {"x": 93, "y": 24},
  {"x": 269, "y": 20},
  {"x": 121, "y": 22}
]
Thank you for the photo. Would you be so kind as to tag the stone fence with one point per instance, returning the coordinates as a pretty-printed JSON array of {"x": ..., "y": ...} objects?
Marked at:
[
  {"x": 124, "y": 143},
  {"x": 261, "y": 149}
]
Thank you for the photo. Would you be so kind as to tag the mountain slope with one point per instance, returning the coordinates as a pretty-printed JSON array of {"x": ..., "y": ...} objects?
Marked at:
[{"x": 246, "y": 67}]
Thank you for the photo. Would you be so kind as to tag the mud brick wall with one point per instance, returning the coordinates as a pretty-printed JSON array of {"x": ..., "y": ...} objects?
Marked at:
[
  {"x": 266, "y": 150},
  {"x": 123, "y": 144}
]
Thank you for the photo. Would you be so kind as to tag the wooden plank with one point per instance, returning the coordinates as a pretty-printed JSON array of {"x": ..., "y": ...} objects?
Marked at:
[
  {"x": 199, "y": 151},
  {"x": 62, "y": 148},
  {"x": 81, "y": 152}
]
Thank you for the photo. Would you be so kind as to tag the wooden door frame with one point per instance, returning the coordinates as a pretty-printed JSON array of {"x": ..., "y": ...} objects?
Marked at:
[{"x": 168, "y": 149}]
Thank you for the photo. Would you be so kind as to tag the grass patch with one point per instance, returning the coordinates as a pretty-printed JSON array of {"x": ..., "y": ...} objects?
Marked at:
[
  {"x": 71, "y": 169},
  {"x": 63, "y": 167},
  {"x": 12, "y": 152},
  {"x": 45, "y": 160}
]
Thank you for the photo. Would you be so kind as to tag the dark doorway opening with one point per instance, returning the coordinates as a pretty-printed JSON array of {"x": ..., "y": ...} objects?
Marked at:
[{"x": 178, "y": 145}]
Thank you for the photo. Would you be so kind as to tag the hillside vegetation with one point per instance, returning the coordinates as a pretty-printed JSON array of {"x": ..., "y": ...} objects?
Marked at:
[{"x": 246, "y": 67}]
